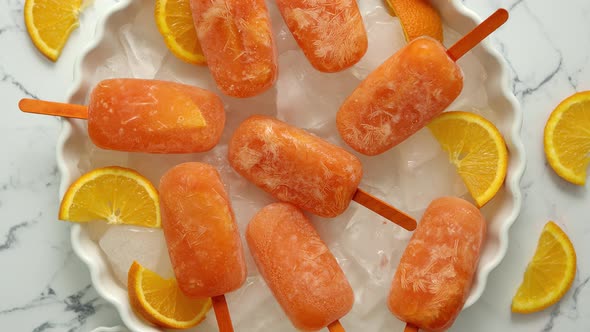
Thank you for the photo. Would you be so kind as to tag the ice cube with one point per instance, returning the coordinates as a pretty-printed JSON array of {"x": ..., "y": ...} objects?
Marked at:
[
  {"x": 418, "y": 149},
  {"x": 370, "y": 306},
  {"x": 367, "y": 7},
  {"x": 370, "y": 292},
  {"x": 218, "y": 159},
  {"x": 239, "y": 109},
  {"x": 98, "y": 157},
  {"x": 306, "y": 97},
  {"x": 143, "y": 45},
  {"x": 96, "y": 229},
  {"x": 124, "y": 244},
  {"x": 175, "y": 70},
  {"x": 379, "y": 174},
  {"x": 374, "y": 243},
  {"x": 247, "y": 200},
  {"x": 254, "y": 308},
  {"x": 385, "y": 38},
  {"x": 425, "y": 174},
  {"x": 283, "y": 37},
  {"x": 113, "y": 67},
  {"x": 153, "y": 166},
  {"x": 331, "y": 229},
  {"x": 474, "y": 95}
]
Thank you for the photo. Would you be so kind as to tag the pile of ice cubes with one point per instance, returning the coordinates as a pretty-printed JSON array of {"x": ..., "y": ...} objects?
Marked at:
[{"x": 367, "y": 246}]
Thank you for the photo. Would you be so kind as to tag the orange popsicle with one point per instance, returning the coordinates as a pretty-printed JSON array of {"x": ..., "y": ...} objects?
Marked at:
[
  {"x": 400, "y": 97},
  {"x": 330, "y": 33},
  {"x": 201, "y": 231},
  {"x": 298, "y": 267},
  {"x": 299, "y": 168},
  {"x": 294, "y": 166},
  {"x": 436, "y": 270},
  {"x": 237, "y": 41},
  {"x": 137, "y": 115},
  {"x": 202, "y": 236},
  {"x": 408, "y": 90}
]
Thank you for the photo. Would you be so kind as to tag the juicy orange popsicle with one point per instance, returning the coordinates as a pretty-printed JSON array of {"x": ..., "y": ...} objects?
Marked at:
[
  {"x": 295, "y": 166},
  {"x": 400, "y": 97},
  {"x": 436, "y": 270},
  {"x": 201, "y": 232},
  {"x": 152, "y": 116},
  {"x": 237, "y": 41},
  {"x": 330, "y": 33},
  {"x": 298, "y": 267}
]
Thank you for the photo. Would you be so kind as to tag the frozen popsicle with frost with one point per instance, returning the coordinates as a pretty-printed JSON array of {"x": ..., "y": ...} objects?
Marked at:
[
  {"x": 407, "y": 91},
  {"x": 202, "y": 235},
  {"x": 330, "y": 33},
  {"x": 298, "y": 267},
  {"x": 237, "y": 41},
  {"x": 137, "y": 115},
  {"x": 299, "y": 168},
  {"x": 435, "y": 273}
]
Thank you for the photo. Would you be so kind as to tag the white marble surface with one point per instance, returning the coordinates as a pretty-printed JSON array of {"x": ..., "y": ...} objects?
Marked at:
[{"x": 45, "y": 287}]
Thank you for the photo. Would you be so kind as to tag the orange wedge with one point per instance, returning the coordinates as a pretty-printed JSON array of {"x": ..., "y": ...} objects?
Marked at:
[
  {"x": 549, "y": 275},
  {"x": 50, "y": 22},
  {"x": 567, "y": 138},
  {"x": 161, "y": 302},
  {"x": 418, "y": 18},
  {"x": 476, "y": 148},
  {"x": 115, "y": 194},
  {"x": 175, "y": 23}
]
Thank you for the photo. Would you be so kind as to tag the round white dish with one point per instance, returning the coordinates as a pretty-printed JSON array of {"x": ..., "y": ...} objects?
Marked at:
[{"x": 500, "y": 106}]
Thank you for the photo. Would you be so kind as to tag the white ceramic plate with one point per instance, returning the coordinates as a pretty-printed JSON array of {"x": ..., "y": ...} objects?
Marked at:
[{"x": 408, "y": 176}]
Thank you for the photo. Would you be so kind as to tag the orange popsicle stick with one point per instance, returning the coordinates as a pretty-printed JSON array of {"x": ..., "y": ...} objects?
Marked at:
[
  {"x": 52, "y": 108},
  {"x": 478, "y": 34},
  {"x": 222, "y": 314},
  {"x": 336, "y": 327},
  {"x": 410, "y": 328},
  {"x": 385, "y": 210}
]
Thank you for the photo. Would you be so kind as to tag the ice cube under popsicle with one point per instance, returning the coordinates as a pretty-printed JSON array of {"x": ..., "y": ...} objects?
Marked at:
[
  {"x": 299, "y": 168},
  {"x": 202, "y": 235},
  {"x": 407, "y": 91},
  {"x": 138, "y": 115},
  {"x": 436, "y": 270},
  {"x": 298, "y": 267}
]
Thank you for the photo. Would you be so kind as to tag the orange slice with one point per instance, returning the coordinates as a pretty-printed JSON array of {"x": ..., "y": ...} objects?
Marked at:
[
  {"x": 175, "y": 22},
  {"x": 50, "y": 22},
  {"x": 549, "y": 275},
  {"x": 567, "y": 138},
  {"x": 115, "y": 194},
  {"x": 476, "y": 148},
  {"x": 418, "y": 18},
  {"x": 161, "y": 302}
]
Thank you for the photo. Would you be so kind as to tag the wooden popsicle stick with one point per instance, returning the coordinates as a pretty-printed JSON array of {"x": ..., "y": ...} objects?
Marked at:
[
  {"x": 385, "y": 210},
  {"x": 336, "y": 327},
  {"x": 52, "y": 108},
  {"x": 222, "y": 314},
  {"x": 410, "y": 328},
  {"x": 478, "y": 34}
]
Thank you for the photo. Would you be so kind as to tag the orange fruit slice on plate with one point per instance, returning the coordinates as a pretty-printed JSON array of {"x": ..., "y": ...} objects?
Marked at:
[
  {"x": 175, "y": 23},
  {"x": 418, "y": 18},
  {"x": 567, "y": 138},
  {"x": 549, "y": 275},
  {"x": 115, "y": 194},
  {"x": 161, "y": 302},
  {"x": 50, "y": 22},
  {"x": 476, "y": 148}
]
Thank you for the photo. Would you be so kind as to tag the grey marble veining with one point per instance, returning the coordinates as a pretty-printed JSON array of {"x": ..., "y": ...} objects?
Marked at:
[{"x": 45, "y": 287}]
